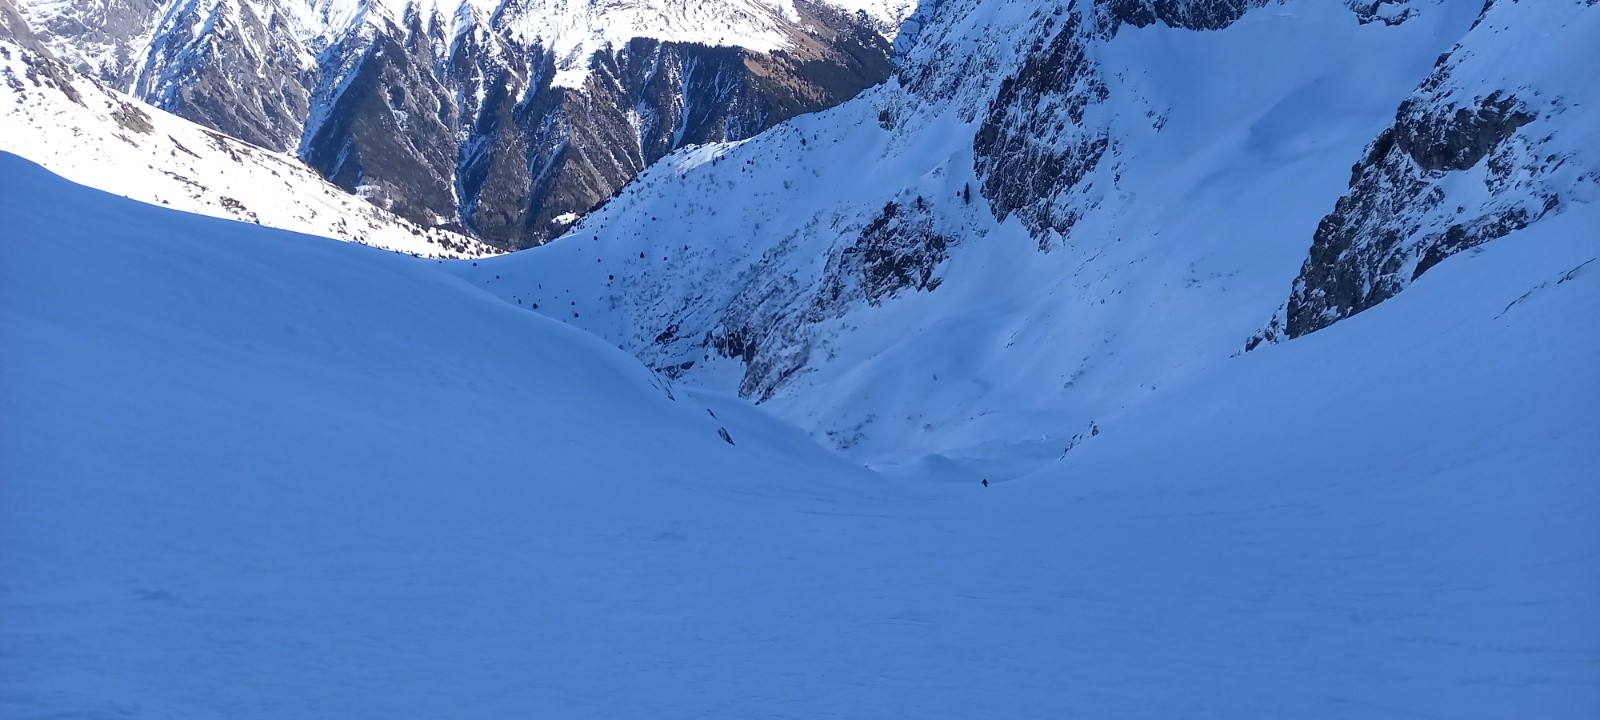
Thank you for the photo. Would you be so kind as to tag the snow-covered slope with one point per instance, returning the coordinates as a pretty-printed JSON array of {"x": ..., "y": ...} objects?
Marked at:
[
  {"x": 102, "y": 138},
  {"x": 257, "y": 475},
  {"x": 1053, "y": 214}
]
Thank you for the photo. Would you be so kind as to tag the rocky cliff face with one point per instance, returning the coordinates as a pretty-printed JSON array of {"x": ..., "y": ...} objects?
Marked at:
[
  {"x": 1039, "y": 147},
  {"x": 232, "y": 65},
  {"x": 103, "y": 39},
  {"x": 1475, "y": 153},
  {"x": 481, "y": 118},
  {"x": 14, "y": 28},
  {"x": 652, "y": 97},
  {"x": 385, "y": 124},
  {"x": 1035, "y": 149},
  {"x": 1183, "y": 14},
  {"x": 768, "y": 327}
]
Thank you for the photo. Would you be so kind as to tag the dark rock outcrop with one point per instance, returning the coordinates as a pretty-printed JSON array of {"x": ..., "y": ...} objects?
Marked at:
[
  {"x": 492, "y": 173},
  {"x": 1388, "y": 12},
  {"x": 898, "y": 250},
  {"x": 388, "y": 130},
  {"x": 1463, "y": 164},
  {"x": 1033, "y": 149},
  {"x": 1037, "y": 152},
  {"x": 197, "y": 66},
  {"x": 1448, "y": 137},
  {"x": 1380, "y": 235},
  {"x": 1182, "y": 14},
  {"x": 769, "y": 324},
  {"x": 650, "y": 98}
]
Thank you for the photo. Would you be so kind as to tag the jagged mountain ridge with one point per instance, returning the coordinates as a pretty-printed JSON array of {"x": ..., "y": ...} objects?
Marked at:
[
  {"x": 506, "y": 119},
  {"x": 1103, "y": 198},
  {"x": 102, "y": 138}
]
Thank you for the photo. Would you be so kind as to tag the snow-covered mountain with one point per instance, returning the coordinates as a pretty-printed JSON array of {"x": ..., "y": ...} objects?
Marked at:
[
  {"x": 1055, "y": 214},
  {"x": 105, "y": 139},
  {"x": 256, "y": 475},
  {"x": 504, "y": 118},
  {"x": 1115, "y": 358}
]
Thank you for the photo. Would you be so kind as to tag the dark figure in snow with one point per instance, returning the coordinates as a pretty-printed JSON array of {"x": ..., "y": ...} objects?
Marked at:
[{"x": 986, "y": 482}]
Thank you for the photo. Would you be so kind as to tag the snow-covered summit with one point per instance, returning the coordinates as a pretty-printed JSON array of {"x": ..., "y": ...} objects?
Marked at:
[
  {"x": 111, "y": 38},
  {"x": 573, "y": 31}
]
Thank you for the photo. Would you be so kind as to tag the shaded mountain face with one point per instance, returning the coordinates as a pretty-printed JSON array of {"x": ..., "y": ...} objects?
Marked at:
[
  {"x": 489, "y": 118},
  {"x": 651, "y": 98},
  {"x": 236, "y": 66}
]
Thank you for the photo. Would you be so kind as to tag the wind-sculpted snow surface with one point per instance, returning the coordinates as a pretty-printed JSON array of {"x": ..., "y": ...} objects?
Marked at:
[
  {"x": 76, "y": 127},
  {"x": 258, "y": 475}
]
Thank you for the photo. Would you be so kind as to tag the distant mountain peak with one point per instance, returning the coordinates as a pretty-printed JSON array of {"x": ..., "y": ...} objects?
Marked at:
[
  {"x": 102, "y": 138},
  {"x": 499, "y": 118}
]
